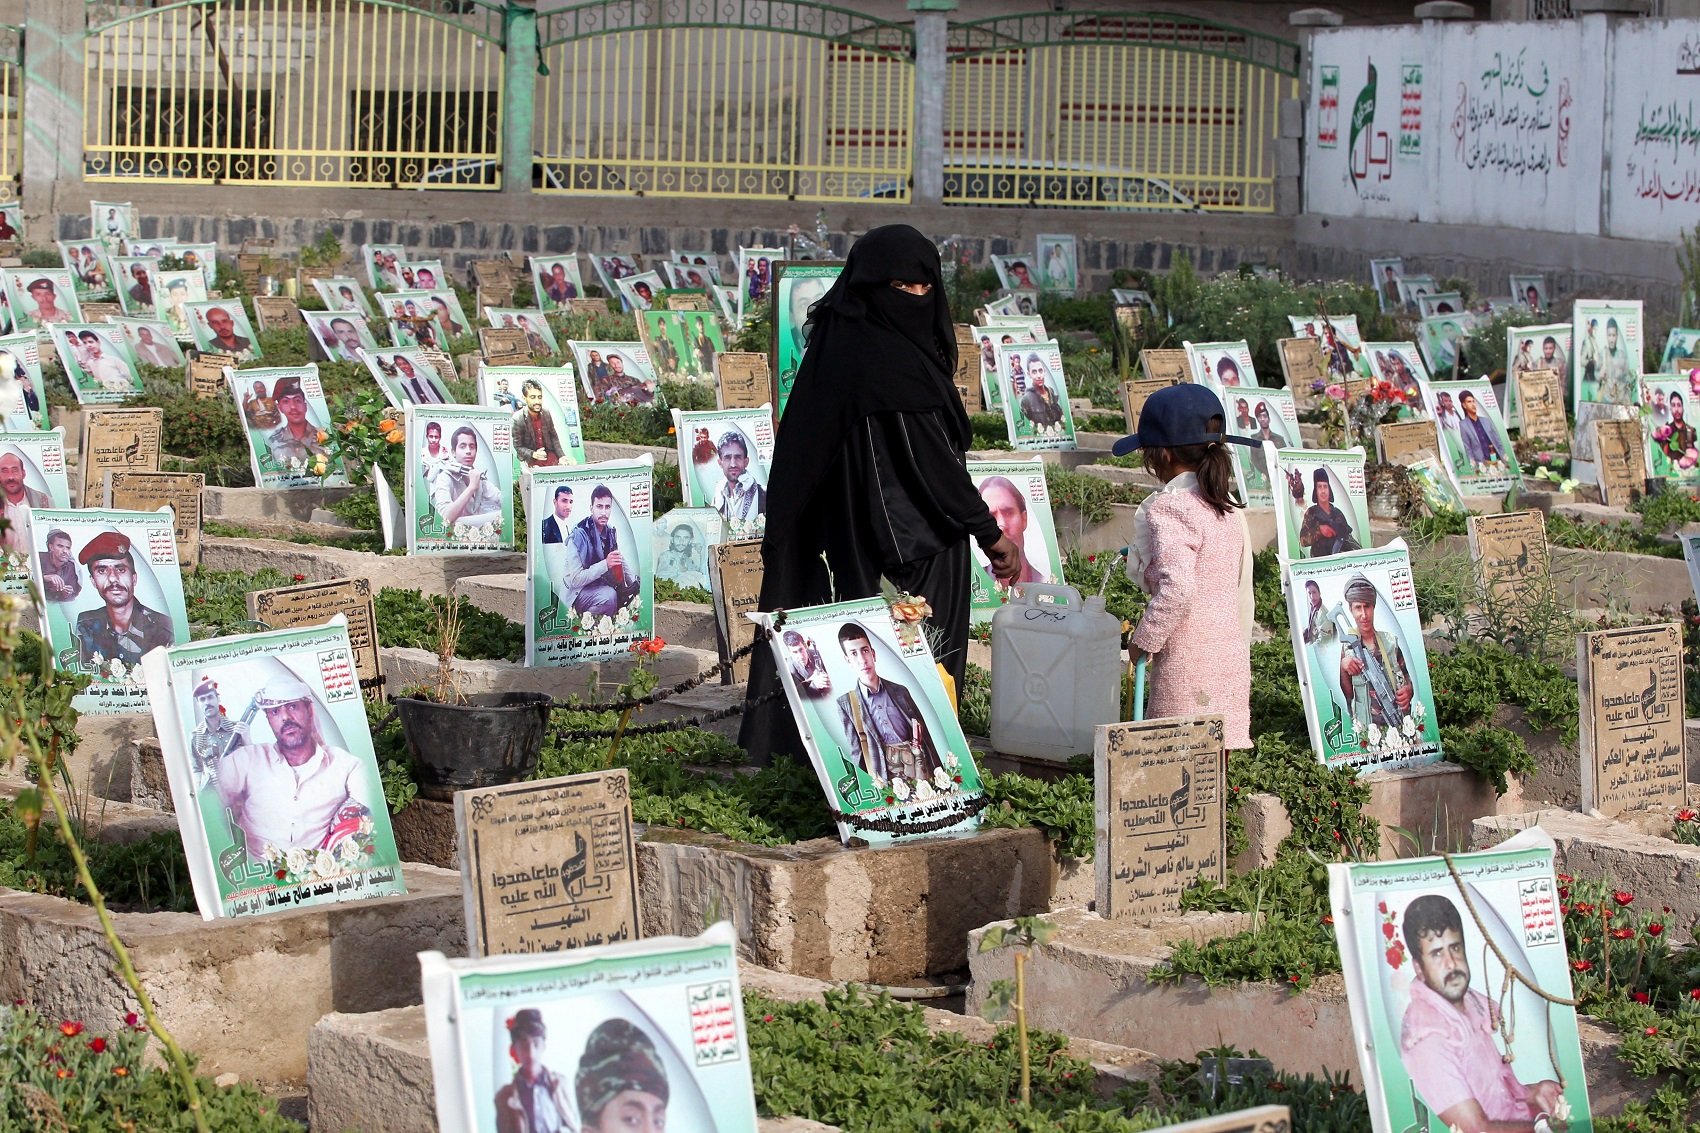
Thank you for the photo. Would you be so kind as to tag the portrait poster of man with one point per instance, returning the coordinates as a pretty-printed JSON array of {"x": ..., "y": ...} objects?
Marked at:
[
  {"x": 1342, "y": 343},
  {"x": 1398, "y": 362},
  {"x": 800, "y": 286},
  {"x": 1269, "y": 417},
  {"x": 150, "y": 342},
  {"x": 136, "y": 281},
  {"x": 989, "y": 339},
  {"x": 755, "y": 276},
  {"x": 272, "y": 773},
  {"x": 381, "y": 264},
  {"x": 1384, "y": 275},
  {"x": 1669, "y": 408},
  {"x": 638, "y": 291},
  {"x": 23, "y": 397},
  {"x": 529, "y": 321},
  {"x": 97, "y": 362},
  {"x": 421, "y": 275},
  {"x": 1035, "y": 397},
  {"x": 883, "y": 739},
  {"x": 556, "y": 279},
  {"x": 90, "y": 266},
  {"x": 702, "y": 259},
  {"x": 1223, "y": 366},
  {"x": 614, "y": 1038},
  {"x": 177, "y": 290},
  {"x": 1472, "y": 431},
  {"x": 1058, "y": 258},
  {"x": 221, "y": 326},
  {"x": 197, "y": 257},
  {"x": 406, "y": 376},
  {"x": 39, "y": 297},
  {"x": 681, "y": 344},
  {"x": 1321, "y": 503},
  {"x": 343, "y": 294},
  {"x": 1447, "y": 1038},
  {"x": 590, "y": 591},
  {"x": 114, "y": 222},
  {"x": 1019, "y": 272},
  {"x": 611, "y": 268},
  {"x": 1440, "y": 303},
  {"x": 615, "y": 371},
  {"x": 32, "y": 475},
  {"x": 1544, "y": 347},
  {"x": 111, "y": 590},
  {"x": 1412, "y": 287},
  {"x": 542, "y": 405},
  {"x": 288, "y": 424},
  {"x": 683, "y": 276},
  {"x": 460, "y": 501},
  {"x": 1015, "y": 493},
  {"x": 682, "y": 539},
  {"x": 1440, "y": 336},
  {"x": 1363, "y": 671},
  {"x": 726, "y": 298},
  {"x": 1607, "y": 336},
  {"x": 1529, "y": 291},
  {"x": 12, "y": 223},
  {"x": 342, "y": 336},
  {"x": 724, "y": 457},
  {"x": 1680, "y": 343}
]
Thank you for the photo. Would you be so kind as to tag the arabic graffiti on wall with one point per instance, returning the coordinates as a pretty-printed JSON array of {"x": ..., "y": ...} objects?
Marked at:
[
  {"x": 1513, "y": 120},
  {"x": 1655, "y": 135},
  {"x": 1361, "y": 161}
]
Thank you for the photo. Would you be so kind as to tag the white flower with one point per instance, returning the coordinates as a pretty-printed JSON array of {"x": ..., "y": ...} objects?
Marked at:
[
  {"x": 1408, "y": 728},
  {"x": 604, "y": 626},
  {"x": 941, "y": 779},
  {"x": 951, "y": 762},
  {"x": 365, "y": 827},
  {"x": 623, "y": 617},
  {"x": 348, "y": 851},
  {"x": 1561, "y": 1111},
  {"x": 273, "y": 857},
  {"x": 325, "y": 864},
  {"x": 98, "y": 658},
  {"x": 1373, "y": 736},
  {"x": 924, "y": 790},
  {"x": 298, "y": 861},
  {"x": 900, "y": 789},
  {"x": 1418, "y": 710},
  {"x": 115, "y": 669},
  {"x": 587, "y": 621}
]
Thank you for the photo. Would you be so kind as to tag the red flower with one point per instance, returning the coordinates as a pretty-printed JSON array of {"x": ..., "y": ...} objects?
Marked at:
[
  {"x": 1381, "y": 906},
  {"x": 70, "y": 1028},
  {"x": 1622, "y": 933},
  {"x": 1640, "y": 997},
  {"x": 1583, "y": 965},
  {"x": 282, "y": 873},
  {"x": 1694, "y": 993},
  {"x": 1655, "y": 929},
  {"x": 1687, "y": 814},
  {"x": 1329, "y": 919},
  {"x": 767, "y": 1018},
  {"x": 1388, "y": 930},
  {"x": 1651, "y": 1031},
  {"x": 300, "y": 578},
  {"x": 1396, "y": 956},
  {"x": 1566, "y": 878},
  {"x": 132, "y": 1020},
  {"x": 98, "y": 1045},
  {"x": 1623, "y": 898}
]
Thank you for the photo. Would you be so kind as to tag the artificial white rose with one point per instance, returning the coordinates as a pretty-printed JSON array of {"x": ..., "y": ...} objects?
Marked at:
[
  {"x": 299, "y": 861},
  {"x": 325, "y": 864}
]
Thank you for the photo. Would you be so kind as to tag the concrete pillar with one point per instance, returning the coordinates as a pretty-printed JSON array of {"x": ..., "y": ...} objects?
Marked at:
[
  {"x": 1289, "y": 147},
  {"x": 519, "y": 94},
  {"x": 932, "y": 29},
  {"x": 53, "y": 114}
]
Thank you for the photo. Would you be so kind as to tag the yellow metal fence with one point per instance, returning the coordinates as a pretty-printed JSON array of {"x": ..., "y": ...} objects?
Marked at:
[
  {"x": 751, "y": 99},
  {"x": 11, "y": 111},
  {"x": 1114, "y": 110},
  {"x": 295, "y": 92}
]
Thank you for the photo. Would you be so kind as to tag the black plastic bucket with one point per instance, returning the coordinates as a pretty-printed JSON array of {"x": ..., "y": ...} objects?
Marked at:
[{"x": 493, "y": 738}]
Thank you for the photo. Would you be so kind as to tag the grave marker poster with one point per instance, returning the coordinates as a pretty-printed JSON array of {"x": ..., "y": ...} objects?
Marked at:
[
  {"x": 734, "y": 579},
  {"x": 743, "y": 380},
  {"x": 1161, "y": 820},
  {"x": 288, "y": 423},
  {"x": 682, "y": 539},
  {"x": 1632, "y": 749},
  {"x": 1015, "y": 493},
  {"x": 1607, "y": 337},
  {"x": 32, "y": 475},
  {"x": 1406, "y": 442},
  {"x": 1671, "y": 447},
  {"x": 1321, "y": 504},
  {"x": 140, "y": 490},
  {"x": 1363, "y": 669},
  {"x": 1540, "y": 402},
  {"x": 799, "y": 286},
  {"x": 23, "y": 398},
  {"x": 97, "y": 362},
  {"x": 681, "y": 344},
  {"x": 615, "y": 371},
  {"x": 1036, "y": 409},
  {"x": 1221, "y": 365},
  {"x": 1478, "y": 449},
  {"x": 461, "y": 502},
  {"x": 548, "y": 865},
  {"x": 38, "y": 297},
  {"x": 1269, "y": 417},
  {"x": 236, "y": 716},
  {"x": 590, "y": 582},
  {"x": 644, "y": 1034},
  {"x": 111, "y": 589},
  {"x": 315, "y": 603},
  {"x": 406, "y": 376},
  {"x": 724, "y": 456},
  {"x": 1168, "y": 366},
  {"x": 1418, "y": 945},
  {"x": 222, "y": 326},
  {"x": 543, "y": 401},
  {"x": 1512, "y": 566},
  {"x": 1620, "y": 461},
  {"x": 878, "y": 725},
  {"x": 1528, "y": 348}
]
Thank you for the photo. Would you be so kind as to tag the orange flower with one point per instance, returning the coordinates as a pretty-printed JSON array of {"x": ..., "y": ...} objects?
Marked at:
[
  {"x": 323, "y": 436},
  {"x": 395, "y": 436},
  {"x": 386, "y": 425},
  {"x": 911, "y": 610}
]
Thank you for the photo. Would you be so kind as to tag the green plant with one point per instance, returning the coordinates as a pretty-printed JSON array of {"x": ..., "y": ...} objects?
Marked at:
[
  {"x": 408, "y": 619},
  {"x": 1686, "y": 827},
  {"x": 368, "y": 434},
  {"x": 324, "y": 252},
  {"x": 1088, "y": 495},
  {"x": 1490, "y": 751},
  {"x": 62, "y": 1076},
  {"x": 1010, "y": 997},
  {"x": 1061, "y": 808}
]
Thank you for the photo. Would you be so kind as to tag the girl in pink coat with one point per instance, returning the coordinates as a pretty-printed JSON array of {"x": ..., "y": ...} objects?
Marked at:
[{"x": 1192, "y": 554}]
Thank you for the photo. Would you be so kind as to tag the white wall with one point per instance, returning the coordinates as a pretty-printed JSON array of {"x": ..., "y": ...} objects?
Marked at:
[{"x": 1653, "y": 180}]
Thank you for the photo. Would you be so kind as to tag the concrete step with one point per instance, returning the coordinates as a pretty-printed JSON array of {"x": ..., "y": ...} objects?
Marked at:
[
  {"x": 372, "y": 1072},
  {"x": 687, "y": 624}
]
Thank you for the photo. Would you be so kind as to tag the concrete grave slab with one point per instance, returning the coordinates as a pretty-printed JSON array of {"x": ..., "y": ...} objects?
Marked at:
[{"x": 429, "y": 574}]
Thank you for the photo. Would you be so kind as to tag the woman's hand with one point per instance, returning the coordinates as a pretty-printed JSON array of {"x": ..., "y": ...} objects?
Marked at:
[{"x": 1005, "y": 557}]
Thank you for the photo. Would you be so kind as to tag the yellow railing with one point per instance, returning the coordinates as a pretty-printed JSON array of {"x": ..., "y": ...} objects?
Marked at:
[
  {"x": 11, "y": 110},
  {"x": 295, "y": 92},
  {"x": 1114, "y": 110},
  {"x": 769, "y": 99}
]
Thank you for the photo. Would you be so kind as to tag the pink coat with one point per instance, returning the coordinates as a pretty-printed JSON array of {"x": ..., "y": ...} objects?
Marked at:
[{"x": 1201, "y": 659}]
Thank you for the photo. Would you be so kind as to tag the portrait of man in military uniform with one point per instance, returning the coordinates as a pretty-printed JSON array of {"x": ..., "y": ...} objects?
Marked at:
[
  {"x": 122, "y": 627},
  {"x": 298, "y": 437}
]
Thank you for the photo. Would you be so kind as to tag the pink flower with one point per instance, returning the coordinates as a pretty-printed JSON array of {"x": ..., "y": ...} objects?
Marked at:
[
  {"x": 1689, "y": 458},
  {"x": 1662, "y": 433},
  {"x": 1336, "y": 391}
]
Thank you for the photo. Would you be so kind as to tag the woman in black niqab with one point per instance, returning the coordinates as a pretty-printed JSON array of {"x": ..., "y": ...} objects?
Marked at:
[{"x": 868, "y": 479}]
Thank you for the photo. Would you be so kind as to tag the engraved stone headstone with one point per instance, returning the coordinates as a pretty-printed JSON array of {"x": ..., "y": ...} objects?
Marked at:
[
  {"x": 734, "y": 575},
  {"x": 315, "y": 603},
  {"x": 594, "y": 306},
  {"x": 1134, "y": 396},
  {"x": 119, "y": 440},
  {"x": 1620, "y": 463},
  {"x": 1540, "y": 401},
  {"x": 149, "y": 491},
  {"x": 1170, "y": 366},
  {"x": 1632, "y": 707},
  {"x": 1510, "y": 556},
  {"x": 687, "y": 301},
  {"x": 1161, "y": 823},
  {"x": 495, "y": 342},
  {"x": 548, "y": 865},
  {"x": 1406, "y": 442},
  {"x": 275, "y": 312},
  {"x": 206, "y": 374},
  {"x": 743, "y": 379},
  {"x": 968, "y": 370}
]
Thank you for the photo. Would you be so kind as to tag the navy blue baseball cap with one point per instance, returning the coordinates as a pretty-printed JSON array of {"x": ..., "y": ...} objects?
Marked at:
[{"x": 1178, "y": 415}]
